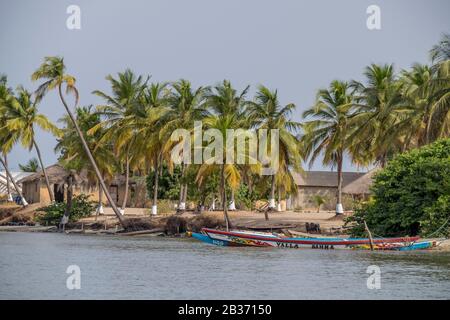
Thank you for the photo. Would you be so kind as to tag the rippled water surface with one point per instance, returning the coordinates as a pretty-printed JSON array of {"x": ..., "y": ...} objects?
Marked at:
[{"x": 33, "y": 266}]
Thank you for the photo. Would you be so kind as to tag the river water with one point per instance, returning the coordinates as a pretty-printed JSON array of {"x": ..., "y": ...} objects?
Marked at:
[{"x": 34, "y": 265}]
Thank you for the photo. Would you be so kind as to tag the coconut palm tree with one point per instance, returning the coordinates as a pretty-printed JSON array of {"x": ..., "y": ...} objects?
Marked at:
[
  {"x": 22, "y": 116},
  {"x": 52, "y": 71},
  {"x": 147, "y": 121},
  {"x": 126, "y": 92},
  {"x": 381, "y": 116},
  {"x": 226, "y": 109},
  {"x": 229, "y": 172},
  {"x": 441, "y": 51},
  {"x": 185, "y": 106},
  {"x": 31, "y": 166},
  {"x": 8, "y": 138},
  {"x": 5, "y": 94},
  {"x": 328, "y": 130},
  {"x": 73, "y": 156},
  {"x": 439, "y": 87},
  {"x": 266, "y": 112}
]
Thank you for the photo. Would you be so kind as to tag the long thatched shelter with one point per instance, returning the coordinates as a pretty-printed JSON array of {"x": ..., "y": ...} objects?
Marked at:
[
  {"x": 360, "y": 188},
  {"x": 35, "y": 189}
]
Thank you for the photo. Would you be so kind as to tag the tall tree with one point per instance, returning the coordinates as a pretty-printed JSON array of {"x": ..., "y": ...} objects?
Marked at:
[
  {"x": 22, "y": 116},
  {"x": 441, "y": 51},
  {"x": 31, "y": 166},
  {"x": 74, "y": 158},
  {"x": 127, "y": 89},
  {"x": 52, "y": 71},
  {"x": 328, "y": 130},
  {"x": 149, "y": 148},
  {"x": 227, "y": 110},
  {"x": 185, "y": 105},
  {"x": 266, "y": 112},
  {"x": 381, "y": 116},
  {"x": 8, "y": 138}
]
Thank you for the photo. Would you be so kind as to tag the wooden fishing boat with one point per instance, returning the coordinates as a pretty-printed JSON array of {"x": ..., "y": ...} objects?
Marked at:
[
  {"x": 259, "y": 239},
  {"x": 402, "y": 246},
  {"x": 204, "y": 238}
]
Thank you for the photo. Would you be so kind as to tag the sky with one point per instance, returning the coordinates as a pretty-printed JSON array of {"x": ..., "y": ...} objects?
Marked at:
[{"x": 294, "y": 46}]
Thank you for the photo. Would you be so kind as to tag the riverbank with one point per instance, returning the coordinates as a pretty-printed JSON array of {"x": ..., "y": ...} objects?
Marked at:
[
  {"x": 141, "y": 224},
  {"x": 138, "y": 220}
]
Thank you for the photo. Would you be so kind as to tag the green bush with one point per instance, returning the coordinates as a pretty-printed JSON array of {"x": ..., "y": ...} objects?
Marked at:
[
  {"x": 81, "y": 207},
  {"x": 411, "y": 195}
]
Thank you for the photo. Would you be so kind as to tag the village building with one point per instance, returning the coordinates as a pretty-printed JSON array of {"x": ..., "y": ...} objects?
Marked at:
[
  {"x": 35, "y": 190},
  {"x": 324, "y": 184}
]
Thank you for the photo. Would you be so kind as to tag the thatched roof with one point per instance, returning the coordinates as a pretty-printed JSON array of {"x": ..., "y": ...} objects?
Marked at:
[
  {"x": 361, "y": 185},
  {"x": 324, "y": 178},
  {"x": 57, "y": 174}
]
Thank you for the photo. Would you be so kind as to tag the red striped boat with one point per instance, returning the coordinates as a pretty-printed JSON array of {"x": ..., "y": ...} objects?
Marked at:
[{"x": 261, "y": 239}]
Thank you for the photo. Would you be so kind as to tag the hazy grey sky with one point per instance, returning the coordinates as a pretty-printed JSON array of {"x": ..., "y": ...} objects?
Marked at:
[{"x": 292, "y": 45}]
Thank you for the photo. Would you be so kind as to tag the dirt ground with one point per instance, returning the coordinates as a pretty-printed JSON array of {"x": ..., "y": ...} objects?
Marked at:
[
  {"x": 240, "y": 219},
  {"x": 246, "y": 219}
]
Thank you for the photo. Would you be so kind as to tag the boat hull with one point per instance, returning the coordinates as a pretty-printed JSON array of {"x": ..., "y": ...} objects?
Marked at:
[
  {"x": 260, "y": 240},
  {"x": 206, "y": 239}
]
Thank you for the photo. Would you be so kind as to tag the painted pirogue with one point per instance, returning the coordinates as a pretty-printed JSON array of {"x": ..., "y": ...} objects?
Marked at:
[{"x": 261, "y": 239}]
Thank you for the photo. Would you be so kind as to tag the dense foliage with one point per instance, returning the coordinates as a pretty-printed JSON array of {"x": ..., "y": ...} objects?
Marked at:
[
  {"x": 81, "y": 207},
  {"x": 411, "y": 195}
]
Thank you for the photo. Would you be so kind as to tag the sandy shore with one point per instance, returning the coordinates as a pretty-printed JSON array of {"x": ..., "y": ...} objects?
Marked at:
[{"x": 107, "y": 223}]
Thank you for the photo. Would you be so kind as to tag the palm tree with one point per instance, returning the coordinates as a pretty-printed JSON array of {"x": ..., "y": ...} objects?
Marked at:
[
  {"x": 8, "y": 138},
  {"x": 439, "y": 87},
  {"x": 329, "y": 129},
  {"x": 185, "y": 106},
  {"x": 267, "y": 113},
  {"x": 229, "y": 172},
  {"x": 318, "y": 201},
  {"x": 31, "y": 166},
  {"x": 381, "y": 116},
  {"x": 441, "y": 51},
  {"x": 147, "y": 121},
  {"x": 227, "y": 110},
  {"x": 126, "y": 92},
  {"x": 73, "y": 156},
  {"x": 22, "y": 116},
  {"x": 53, "y": 72},
  {"x": 8, "y": 187}
]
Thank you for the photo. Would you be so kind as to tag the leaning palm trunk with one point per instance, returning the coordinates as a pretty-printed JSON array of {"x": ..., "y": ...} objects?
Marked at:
[
  {"x": 100, "y": 203},
  {"x": 183, "y": 190},
  {"x": 68, "y": 209},
  {"x": 339, "y": 208},
  {"x": 272, "y": 194},
  {"x": 155, "y": 189},
  {"x": 224, "y": 199},
  {"x": 47, "y": 181},
  {"x": 8, "y": 187},
  {"x": 232, "y": 205},
  {"x": 91, "y": 159},
  {"x": 16, "y": 187},
  {"x": 127, "y": 178},
  {"x": 279, "y": 200}
]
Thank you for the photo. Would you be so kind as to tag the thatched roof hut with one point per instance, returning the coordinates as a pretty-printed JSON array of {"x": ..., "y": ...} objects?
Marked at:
[
  {"x": 361, "y": 186},
  {"x": 327, "y": 179},
  {"x": 57, "y": 174}
]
